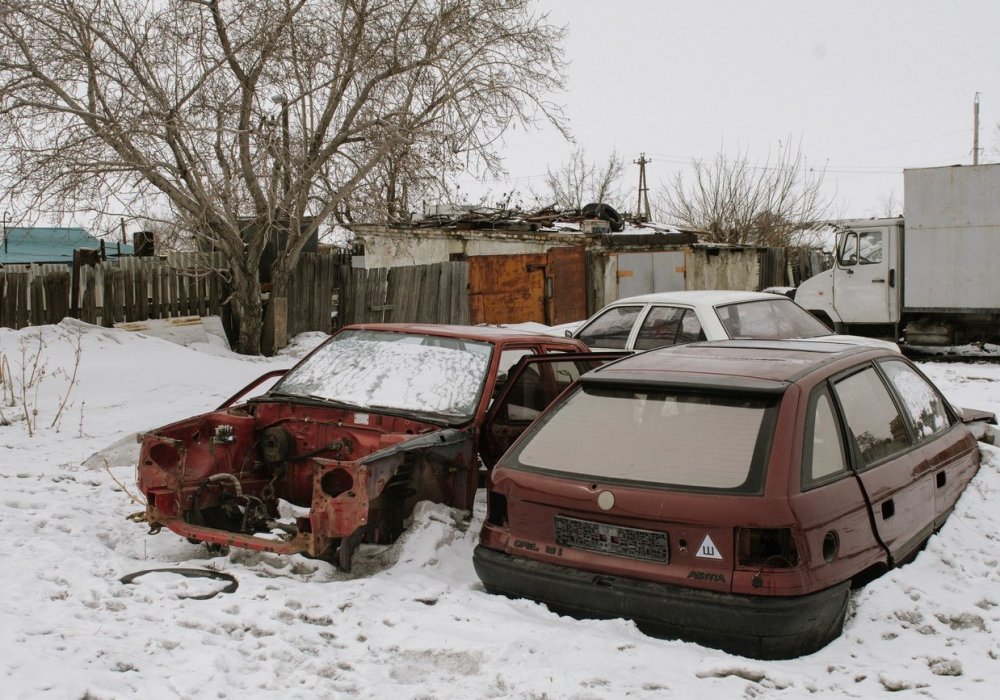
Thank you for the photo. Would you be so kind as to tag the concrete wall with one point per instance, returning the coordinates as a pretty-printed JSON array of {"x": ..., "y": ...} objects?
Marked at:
[{"x": 385, "y": 247}]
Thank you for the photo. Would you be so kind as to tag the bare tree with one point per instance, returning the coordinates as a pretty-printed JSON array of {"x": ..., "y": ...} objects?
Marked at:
[
  {"x": 250, "y": 117},
  {"x": 888, "y": 206},
  {"x": 735, "y": 201},
  {"x": 580, "y": 181}
]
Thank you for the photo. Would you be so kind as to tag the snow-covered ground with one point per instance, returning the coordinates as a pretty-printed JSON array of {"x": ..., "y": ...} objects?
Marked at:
[{"x": 412, "y": 621}]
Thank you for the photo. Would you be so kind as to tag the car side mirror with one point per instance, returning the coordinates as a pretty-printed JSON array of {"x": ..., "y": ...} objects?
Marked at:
[{"x": 568, "y": 333}]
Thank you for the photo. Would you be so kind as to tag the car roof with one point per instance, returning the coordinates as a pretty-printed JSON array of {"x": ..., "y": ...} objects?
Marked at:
[
  {"x": 490, "y": 334},
  {"x": 737, "y": 365},
  {"x": 699, "y": 296}
]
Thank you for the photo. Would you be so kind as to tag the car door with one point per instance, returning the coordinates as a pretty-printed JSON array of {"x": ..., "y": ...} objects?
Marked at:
[
  {"x": 950, "y": 451},
  {"x": 531, "y": 386},
  {"x": 895, "y": 478},
  {"x": 863, "y": 288}
]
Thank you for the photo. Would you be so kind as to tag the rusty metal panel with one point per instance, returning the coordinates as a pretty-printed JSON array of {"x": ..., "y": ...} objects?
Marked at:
[
  {"x": 507, "y": 288},
  {"x": 568, "y": 271}
]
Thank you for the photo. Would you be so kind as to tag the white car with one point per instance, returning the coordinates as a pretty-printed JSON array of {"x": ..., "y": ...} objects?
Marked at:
[{"x": 674, "y": 318}]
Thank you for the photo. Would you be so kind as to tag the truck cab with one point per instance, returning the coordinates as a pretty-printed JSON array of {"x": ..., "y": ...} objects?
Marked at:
[{"x": 861, "y": 292}]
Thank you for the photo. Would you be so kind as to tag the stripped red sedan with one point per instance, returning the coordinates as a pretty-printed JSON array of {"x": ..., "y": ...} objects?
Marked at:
[{"x": 343, "y": 446}]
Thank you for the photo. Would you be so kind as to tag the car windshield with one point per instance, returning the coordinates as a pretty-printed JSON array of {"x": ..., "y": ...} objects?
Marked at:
[
  {"x": 395, "y": 371},
  {"x": 769, "y": 319},
  {"x": 688, "y": 441}
]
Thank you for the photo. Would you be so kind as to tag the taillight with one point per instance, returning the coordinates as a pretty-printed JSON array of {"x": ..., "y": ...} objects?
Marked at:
[
  {"x": 766, "y": 548},
  {"x": 496, "y": 509}
]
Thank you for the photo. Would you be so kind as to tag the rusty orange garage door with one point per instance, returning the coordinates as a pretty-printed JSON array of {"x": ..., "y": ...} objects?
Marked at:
[{"x": 545, "y": 288}]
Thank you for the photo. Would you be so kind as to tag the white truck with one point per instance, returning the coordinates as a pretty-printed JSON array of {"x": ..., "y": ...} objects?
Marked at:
[{"x": 930, "y": 277}]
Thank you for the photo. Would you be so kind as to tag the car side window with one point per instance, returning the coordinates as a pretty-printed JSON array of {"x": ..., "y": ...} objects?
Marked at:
[
  {"x": 872, "y": 418},
  {"x": 510, "y": 357},
  {"x": 691, "y": 330},
  {"x": 847, "y": 256},
  {"x": 612, "y": 328},
  {"x": 824, "y": 457},
  {"x": 924, "y": 406},
  {"x": 870, "y": 247},
  {"x": 659, "y": 328},
  {"x": 526, "y": 398}
]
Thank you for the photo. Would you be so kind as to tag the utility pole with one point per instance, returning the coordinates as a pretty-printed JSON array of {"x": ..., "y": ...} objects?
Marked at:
[
  {"x": 643, "y": 189},
  {"x": 975, "y": 130}
]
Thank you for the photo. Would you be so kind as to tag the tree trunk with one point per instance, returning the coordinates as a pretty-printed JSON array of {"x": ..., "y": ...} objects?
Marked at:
[{"x": 248, "y": 309}]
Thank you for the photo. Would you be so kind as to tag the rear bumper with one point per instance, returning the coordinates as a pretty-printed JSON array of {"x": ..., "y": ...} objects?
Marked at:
[{"x": 763, "y": 627}]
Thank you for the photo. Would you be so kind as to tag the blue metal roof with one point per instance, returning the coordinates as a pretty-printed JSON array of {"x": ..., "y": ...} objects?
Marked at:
[{"x": 52, "y": 245}]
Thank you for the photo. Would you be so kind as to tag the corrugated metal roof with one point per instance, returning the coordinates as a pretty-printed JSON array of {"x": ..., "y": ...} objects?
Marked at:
[{"x": 52, "y": 245}]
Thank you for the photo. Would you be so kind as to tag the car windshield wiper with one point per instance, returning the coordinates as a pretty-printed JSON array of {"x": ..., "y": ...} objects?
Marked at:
[
  {"x": 312, "y": 397},
  {"x": 434, "y": 416}
]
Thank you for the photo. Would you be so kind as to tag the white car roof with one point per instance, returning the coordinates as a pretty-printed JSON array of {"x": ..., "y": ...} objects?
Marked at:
[{"x": 709, "y": 297}]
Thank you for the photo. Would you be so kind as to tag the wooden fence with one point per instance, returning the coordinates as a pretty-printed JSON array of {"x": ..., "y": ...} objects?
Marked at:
[
  {"x": 128, "y": 289},
  {"x": 324, "y": 292},
  {"x": 315, "y": 292},
  {"x": 437, "y": 293}
]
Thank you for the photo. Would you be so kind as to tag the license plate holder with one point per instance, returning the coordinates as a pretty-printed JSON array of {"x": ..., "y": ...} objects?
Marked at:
[{"x": 629, "y": 542}]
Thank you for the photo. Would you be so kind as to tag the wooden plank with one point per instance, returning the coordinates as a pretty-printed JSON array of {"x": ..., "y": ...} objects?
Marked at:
[
  {"x": 88, "y": 302},
  {"x": 154, "y": 291},
  {"x": 296, "y": 300},
  {"x": 141, "y": 294},
  {"x": 359, "y": 283},
  {"x": 442, "y": 309},
  {"x": 37, "y": 301},
  {"x": 203, "y": 292},
  {"x": 165, "y": 298},
  {"x": 182, "y": 294},
  {"x": 324, "y": 286},
  {"x": 3, "y": 300},
  {"x": 57, "y": 296},
  {"x": 118, "y": 295},
  {"x": 214, "y": 291},
  {"x": 174, "y": 295},
  {"x": 377, "y": 296},
  {"x": 129, "y": 290},
  {"x": 21, "y": 312},
  {"x": 343, "y": 291},
  {"x": 460, "y": 292},
  {"x": 307, "y": 298},
  {"x": 429, "y": 287},
  {"x": 398, "y": 282},
  {"x": 107, "y": 296}
]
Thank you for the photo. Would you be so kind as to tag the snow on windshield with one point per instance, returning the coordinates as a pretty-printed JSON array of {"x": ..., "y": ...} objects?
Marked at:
[{"x": 379, "y": 369}]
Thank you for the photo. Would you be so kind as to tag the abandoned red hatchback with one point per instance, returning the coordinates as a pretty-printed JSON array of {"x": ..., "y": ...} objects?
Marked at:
[
  {"x": 342, "y": 447},
  {"x": 727, "y": 493}
]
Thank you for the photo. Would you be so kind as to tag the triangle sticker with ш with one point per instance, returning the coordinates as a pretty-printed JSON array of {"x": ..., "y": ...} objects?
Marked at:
[{"x": 707, "y": 549}]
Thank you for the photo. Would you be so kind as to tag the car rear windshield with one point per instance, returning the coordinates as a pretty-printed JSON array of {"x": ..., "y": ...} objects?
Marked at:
[
  {"x": 397, "y": 371},
  {"x": 659, "y": 437},
  {"x": 769, "y": 319}
]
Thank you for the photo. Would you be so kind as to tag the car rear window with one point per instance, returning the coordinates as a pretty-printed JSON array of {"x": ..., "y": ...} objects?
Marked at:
[
  {"x": 769, "y": 319},
  {"x": 659, "y": 437}
]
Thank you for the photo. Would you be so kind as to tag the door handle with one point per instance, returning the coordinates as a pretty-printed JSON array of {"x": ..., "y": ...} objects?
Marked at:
[
  {"x": 888, "y": 509},
  {"x": 878, "y": 280}
]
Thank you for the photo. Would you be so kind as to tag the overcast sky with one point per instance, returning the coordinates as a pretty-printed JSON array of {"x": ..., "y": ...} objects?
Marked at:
[{"x": 869, "y": 86}]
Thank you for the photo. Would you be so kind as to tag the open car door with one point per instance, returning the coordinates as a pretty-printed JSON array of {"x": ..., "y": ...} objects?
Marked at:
[{"x": 532, "y": 384}]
